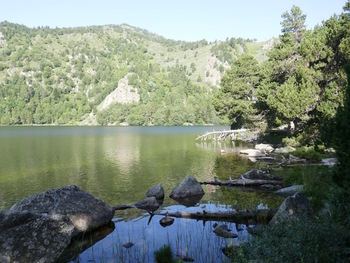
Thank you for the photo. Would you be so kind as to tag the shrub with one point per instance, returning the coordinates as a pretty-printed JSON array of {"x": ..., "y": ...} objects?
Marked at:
[{"x": 296, "y": 241}]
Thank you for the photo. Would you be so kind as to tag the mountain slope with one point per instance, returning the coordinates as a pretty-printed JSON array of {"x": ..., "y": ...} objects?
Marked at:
[{"x": 66, "y": 75}]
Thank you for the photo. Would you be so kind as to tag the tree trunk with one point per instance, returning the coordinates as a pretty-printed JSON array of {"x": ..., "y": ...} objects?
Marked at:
[{"x": 244, "y": 182}]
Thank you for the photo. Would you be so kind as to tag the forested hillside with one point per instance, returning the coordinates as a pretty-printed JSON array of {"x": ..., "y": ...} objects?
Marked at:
[
  {"x": 117, "y": 75},
  {"x": 301, "y": 84}
]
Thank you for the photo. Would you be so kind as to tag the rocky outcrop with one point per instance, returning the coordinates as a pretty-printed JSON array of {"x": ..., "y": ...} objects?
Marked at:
[
  {"x": 40, "y": 227},
  {"x": 189, "y": 187},
  {"x": 293, "y": 207}
]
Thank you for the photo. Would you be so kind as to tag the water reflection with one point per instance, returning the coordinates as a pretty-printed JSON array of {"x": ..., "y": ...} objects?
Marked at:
[{"x": 118, "y": 165}]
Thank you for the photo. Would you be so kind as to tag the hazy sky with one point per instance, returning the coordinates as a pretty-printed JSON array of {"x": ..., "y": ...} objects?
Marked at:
[{"x": 188, "y": 20}]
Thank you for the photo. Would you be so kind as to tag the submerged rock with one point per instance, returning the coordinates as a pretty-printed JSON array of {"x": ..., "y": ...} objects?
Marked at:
[
  {"x": 189, "y": 187},
  {"x": 128, "y": 245},
  {"x": 40, "y": 227},
  {"x": 157, "y": 191},
  {"x": 293, "y": 207}
]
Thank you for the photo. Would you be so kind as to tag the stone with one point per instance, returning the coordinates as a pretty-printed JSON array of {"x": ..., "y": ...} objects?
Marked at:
[
  {"x": 252, "y": 153},
  {"x": 286, "y": 149},
  {"x": 255, "y": 174},
  {"x": 188, "y": 187},
  {"x": 157, "y": 191},
  {"x": 85, "y": 211},
  {"x": 166, "y": 221},
  {"x": 291, "y": 190},
  {"x": 224, "y": 231},
  {"x": 32, "y": 237},
  {"x": 264, "y": 148},
  {"x": 150, "y": 204},
  {"x": 293, "y": 208},
  {"x": 40, "y": 227}
]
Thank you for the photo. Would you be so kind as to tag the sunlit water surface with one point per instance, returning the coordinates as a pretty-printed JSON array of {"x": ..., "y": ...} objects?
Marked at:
[{"x": 118, "y": 165}]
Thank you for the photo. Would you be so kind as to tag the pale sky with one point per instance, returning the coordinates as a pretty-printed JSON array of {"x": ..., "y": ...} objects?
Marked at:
[{"x": 188, "y": 20}]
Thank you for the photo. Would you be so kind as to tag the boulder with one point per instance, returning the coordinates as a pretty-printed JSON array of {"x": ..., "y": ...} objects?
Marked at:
[
  {"x": 264, "y": 148},
  {"x": 293, "y": 207},
  {"x": 40, "y": 227},
  {"x": 291, "y": 190},
  {"x": 252, "y": 153},
  {"x": 31, "y": 237},
  {"x": 157, "y": 191},
  {"x": 188, "y": 187},
  {"x": 85, "y": 211}
]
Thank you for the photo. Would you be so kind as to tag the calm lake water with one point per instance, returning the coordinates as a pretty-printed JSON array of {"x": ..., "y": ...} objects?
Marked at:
[{"x": 118, "y": 165}]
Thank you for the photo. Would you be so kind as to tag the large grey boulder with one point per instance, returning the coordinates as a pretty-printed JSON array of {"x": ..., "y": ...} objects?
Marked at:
[
  {"x": 40, "y": 227},
  {"x": 157, "y": 191},
  {"x": 188, "y": 187},
  {"x": 85, "y": 211},
  {"x": 293, "y": 207},
  {"x": 30, "y": 237}
]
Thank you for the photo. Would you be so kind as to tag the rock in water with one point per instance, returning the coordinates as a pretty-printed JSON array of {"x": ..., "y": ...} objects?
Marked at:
[
  {"x": 293, "y": 207},
  {"x": 85, "y": 211},
  {"x": 149, "y": 204},
  {"x": 157, "y": 191},
  {"x": 188, "y": 187},
  {"x": 30, "y": 237},
  {"x": 40, "y": 227}
]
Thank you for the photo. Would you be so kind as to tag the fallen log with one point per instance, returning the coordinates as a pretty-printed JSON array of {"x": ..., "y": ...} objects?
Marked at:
[
  {"x": 262, "y": 216},
  {"x": 243, "y": 182}
]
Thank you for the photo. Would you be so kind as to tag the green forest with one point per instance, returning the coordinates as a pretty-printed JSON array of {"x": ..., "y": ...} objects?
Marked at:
[
  {"x": 122, "y": 75},
  {"x": 61, "y": 76}
]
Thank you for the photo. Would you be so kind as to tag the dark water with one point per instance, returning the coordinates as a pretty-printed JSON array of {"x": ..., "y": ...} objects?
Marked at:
[{"x": 118, "y": 165}]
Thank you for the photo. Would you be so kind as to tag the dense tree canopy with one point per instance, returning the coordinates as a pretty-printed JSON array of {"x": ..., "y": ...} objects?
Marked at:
[{"x": 302, "y": 83}]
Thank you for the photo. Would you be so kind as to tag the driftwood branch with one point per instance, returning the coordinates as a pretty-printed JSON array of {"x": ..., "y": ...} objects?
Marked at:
[
  {"x": 221, "y": 134},
  {"x": 244, "y": 182},
  {"x": 262, "y": 216}
]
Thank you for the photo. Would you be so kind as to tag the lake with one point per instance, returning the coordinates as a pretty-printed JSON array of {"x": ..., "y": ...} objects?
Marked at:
[{"x": 118, "y": 165}]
